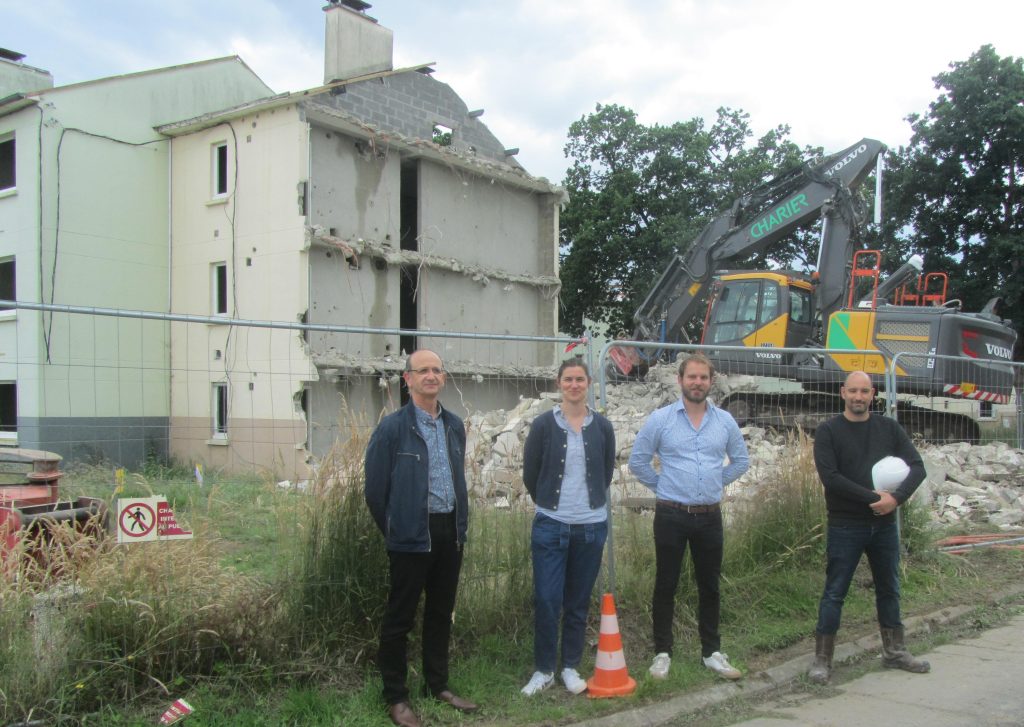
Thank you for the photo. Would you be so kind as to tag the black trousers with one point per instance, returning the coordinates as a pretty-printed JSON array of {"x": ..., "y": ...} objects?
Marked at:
[
  {"x": 437, "y": 574},
  {"x": 673, "y": 530}
]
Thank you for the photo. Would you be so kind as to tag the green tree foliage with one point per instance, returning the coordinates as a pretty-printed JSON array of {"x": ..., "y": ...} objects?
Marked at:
[
  {"x": 638, "y": 193},
  {"x": 955, "y": 191}
]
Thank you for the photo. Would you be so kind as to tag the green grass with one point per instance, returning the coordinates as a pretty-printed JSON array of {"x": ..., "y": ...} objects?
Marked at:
[{"x": 269, "y": 616}]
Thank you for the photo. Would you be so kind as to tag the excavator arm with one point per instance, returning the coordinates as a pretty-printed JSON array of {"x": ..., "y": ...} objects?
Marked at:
[{"x": 756, "y": 221}]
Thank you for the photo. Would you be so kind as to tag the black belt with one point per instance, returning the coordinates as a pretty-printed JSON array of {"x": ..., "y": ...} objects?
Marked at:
[
  {"x": 689, "y": 508},
  {"x": 450, "y": 515}
]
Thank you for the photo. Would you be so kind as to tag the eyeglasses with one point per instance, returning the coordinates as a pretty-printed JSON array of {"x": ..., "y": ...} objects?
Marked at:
[{"x": 428, "y": 370}]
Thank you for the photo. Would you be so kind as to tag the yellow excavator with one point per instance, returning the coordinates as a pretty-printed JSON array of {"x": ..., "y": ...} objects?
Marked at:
[{"x": 844, "y": 305}]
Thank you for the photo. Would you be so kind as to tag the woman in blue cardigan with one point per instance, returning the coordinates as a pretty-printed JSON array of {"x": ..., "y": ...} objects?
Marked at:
[{"x": 567, "y": 467}]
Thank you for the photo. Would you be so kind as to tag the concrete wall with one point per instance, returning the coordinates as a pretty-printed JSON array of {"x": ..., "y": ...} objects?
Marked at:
[
  {"x": 257, "y": 231},
  {"x": 20, "y": 78},
  {"x": 410, "y": 104},
  {"x": 495, "y": 227},
  {"x": 355, "y": 195},
  {"x": 353, "y": 404}
]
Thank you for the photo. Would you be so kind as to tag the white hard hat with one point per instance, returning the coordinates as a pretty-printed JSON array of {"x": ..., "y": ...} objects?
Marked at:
[{"x": 889, "y": 473}]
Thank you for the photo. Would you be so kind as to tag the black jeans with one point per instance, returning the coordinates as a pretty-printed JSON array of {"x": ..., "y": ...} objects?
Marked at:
[
  {"x": 437, "y": 574},
  {"x": 673, "y": 530}
]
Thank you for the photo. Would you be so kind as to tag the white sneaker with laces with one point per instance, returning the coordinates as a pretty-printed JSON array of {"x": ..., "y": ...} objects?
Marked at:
[
  {"x": 538, "y": 682},
  {"x": 659, "y": 669},
  {"x": 572, "y": 681},
  {"x": 719, "y": 663}
]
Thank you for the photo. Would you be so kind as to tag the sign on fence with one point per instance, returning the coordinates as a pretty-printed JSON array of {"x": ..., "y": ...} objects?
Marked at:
[{"x": 143, "y": 519}]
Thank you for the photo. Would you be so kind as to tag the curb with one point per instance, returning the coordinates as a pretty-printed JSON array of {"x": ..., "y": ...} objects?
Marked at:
[{"x": 765, "y": 680}]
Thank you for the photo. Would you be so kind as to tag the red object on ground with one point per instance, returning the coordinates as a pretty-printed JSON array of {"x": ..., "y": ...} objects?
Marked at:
[{"x": 29, "y": 497}]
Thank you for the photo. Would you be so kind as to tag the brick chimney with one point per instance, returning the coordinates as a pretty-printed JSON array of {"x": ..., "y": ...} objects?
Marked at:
[{"x": 354, "y": 43}]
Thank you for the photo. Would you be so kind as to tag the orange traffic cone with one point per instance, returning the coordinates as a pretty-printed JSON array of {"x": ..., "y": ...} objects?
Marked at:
[{"x": 611, "y": 679}]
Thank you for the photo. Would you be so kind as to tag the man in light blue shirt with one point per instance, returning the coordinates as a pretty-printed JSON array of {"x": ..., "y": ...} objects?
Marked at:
[{"x": 691, "y": 438}]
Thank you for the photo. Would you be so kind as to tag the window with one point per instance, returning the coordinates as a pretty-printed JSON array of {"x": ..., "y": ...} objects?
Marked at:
[
  {"x": 442, "y": 135},
  {"x": 8, "y": 289},
  {"x": 219, "y": 289},
  {"x": 8, "y": 410},
  {"x": 985, "y": 410},
  {"x": 8, "y": 177},
  {"x": 799, "y": 305},
  {"x": 735, "y": 312},
  {"x": 219, "y": 167},
  {"x": 220, "y": 410}
]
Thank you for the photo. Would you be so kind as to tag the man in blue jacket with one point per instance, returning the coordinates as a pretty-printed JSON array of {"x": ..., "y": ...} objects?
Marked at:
[{"x": 416, "y": 492}]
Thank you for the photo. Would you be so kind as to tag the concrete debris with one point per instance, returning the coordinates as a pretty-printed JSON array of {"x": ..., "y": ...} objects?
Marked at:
[
  {"x": 352, "y": 249},
  {"x": 332, "y": 362},
  {"x": 965, "y": 484}
]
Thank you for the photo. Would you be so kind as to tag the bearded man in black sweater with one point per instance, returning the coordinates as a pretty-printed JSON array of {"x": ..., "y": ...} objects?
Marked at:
[{"x": 862, "y": 520}]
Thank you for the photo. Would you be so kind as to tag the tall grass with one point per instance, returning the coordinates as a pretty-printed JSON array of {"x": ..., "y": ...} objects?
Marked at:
[
  {"x": 97, "y": 627},
  {"x": 342, "y": 573}
]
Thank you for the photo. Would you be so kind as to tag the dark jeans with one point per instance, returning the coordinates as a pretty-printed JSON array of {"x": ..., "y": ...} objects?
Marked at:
[
  {"x": 566, "y": 561},
  {"x": 673, "y": 530},
  {"x": 846, "y": 543},
  {"x": 437, "y": 574}
]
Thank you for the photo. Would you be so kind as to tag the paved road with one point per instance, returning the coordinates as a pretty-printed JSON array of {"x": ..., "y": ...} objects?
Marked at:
[{"x": 976, "y": 682}]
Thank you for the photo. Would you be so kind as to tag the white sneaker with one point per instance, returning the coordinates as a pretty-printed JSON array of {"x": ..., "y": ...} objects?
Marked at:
[
  {"x": 572, "y": 681},
  {"x": 538, "y": 682},
  {"x": 659, "y": 669},
  {"x": 719, "y": 663}
]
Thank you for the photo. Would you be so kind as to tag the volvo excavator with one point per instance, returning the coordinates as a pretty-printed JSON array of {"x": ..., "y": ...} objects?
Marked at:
[{"x": 844, "y": 305}]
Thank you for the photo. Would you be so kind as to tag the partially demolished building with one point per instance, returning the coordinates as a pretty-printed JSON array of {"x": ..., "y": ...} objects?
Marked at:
[{"x": 378, "y": 200}]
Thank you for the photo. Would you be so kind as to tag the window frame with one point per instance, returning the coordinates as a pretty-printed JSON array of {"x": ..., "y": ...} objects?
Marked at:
[
  {"x": 12, "y": 188},
  {"x": 7, "y": 312},
  {"x": 10, "y": 436},
  {"x": 220, "y": 410},
  {"x": 219, "y": 167},
  {"x": 219, "y": 289}
]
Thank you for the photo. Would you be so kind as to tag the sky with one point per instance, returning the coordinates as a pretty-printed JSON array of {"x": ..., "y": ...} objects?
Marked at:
[{"x": 833, "y": 71}]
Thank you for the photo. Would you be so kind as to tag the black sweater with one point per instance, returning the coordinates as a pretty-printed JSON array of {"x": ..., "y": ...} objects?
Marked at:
[{"x": 845, "y": 452}]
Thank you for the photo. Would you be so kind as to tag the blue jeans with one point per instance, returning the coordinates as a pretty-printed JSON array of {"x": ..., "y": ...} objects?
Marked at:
[
  {"x": 846, "y": 543},
  {"x": 566, "y": 561}
]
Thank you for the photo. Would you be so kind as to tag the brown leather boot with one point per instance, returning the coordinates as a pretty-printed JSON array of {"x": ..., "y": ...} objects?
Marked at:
[
  {"x": 821, "y": 668},
  {"x": 896, "y": 656}
]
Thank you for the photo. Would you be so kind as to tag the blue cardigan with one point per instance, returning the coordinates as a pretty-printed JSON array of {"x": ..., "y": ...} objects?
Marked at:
[{"x": 544, "y": 459}]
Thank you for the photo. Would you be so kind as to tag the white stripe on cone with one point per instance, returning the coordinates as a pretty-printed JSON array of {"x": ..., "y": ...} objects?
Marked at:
[{"x": 610, "y": 661}]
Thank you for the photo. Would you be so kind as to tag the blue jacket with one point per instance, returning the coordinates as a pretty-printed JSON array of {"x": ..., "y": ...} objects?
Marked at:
[
  {"x": 397, "y": 479},
  {"x": 544, "y": 459}
]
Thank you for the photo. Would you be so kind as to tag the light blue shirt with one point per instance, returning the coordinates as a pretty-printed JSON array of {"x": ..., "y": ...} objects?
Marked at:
[
  {"x": 692, "y": 468},
  {"x": 441, "y": 487},
  {"x": 574, "y": 498}
]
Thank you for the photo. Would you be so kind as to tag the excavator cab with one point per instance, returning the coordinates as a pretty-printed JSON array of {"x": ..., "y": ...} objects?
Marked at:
[{"x": 761, "y": 311}]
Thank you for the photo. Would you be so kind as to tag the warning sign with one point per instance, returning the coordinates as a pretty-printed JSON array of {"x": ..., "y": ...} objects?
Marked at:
[
  {"x": 143, "y": 519},
  {"x": 167, "y": 526},
  {"x": 136, "y": 521}
]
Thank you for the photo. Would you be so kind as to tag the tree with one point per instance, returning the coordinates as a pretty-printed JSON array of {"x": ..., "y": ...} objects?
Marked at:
[
  {"x": 955, "y": 190},
  {"x": 637, "y": 193}
]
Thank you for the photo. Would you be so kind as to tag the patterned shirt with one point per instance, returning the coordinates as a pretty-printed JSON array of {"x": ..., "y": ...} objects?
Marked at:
[
  {"x": 692, "y": 468},
  {"x": 441, "y": 488}
]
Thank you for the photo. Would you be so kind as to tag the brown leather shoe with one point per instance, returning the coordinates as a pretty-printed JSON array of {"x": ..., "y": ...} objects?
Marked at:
[
  {"x": 463, "y": 705},
  {"x": 402, "y": 715}
]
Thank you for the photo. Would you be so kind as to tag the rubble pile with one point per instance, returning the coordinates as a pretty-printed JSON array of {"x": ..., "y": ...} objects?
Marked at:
[{"x": 965, "y": 483}]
